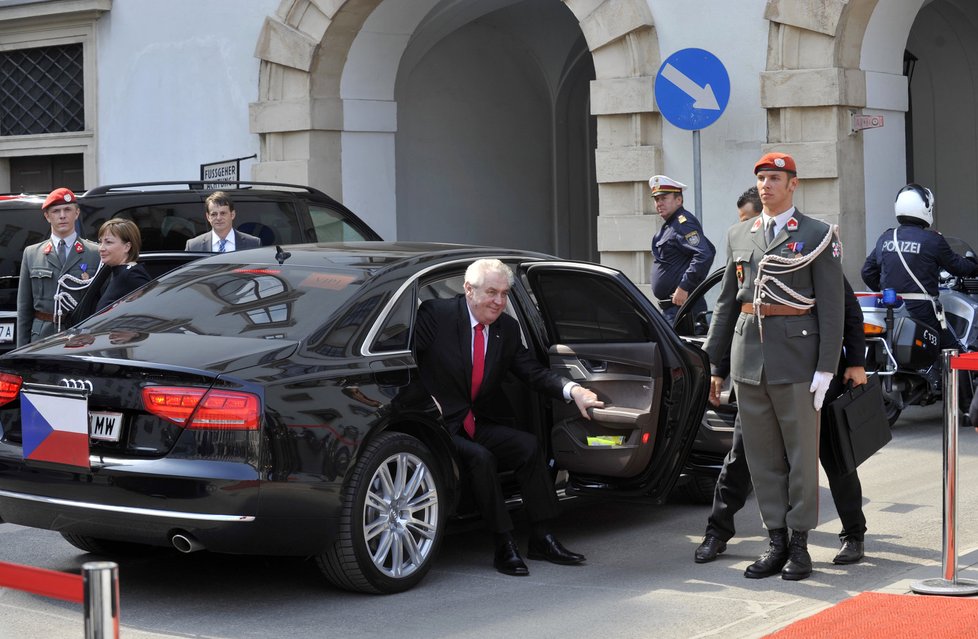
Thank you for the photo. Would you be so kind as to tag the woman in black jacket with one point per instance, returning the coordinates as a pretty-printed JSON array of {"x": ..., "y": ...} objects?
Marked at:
[{"x": 119, "y": 274}]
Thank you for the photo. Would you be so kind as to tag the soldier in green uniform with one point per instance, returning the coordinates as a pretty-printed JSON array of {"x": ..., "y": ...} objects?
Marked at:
[
  {"x": 45, "y": 263},
  {"x": 780, "y": 313}
]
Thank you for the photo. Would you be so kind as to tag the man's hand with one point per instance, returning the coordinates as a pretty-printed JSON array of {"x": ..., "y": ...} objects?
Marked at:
[
  {"x": 856, "y": 375},
  {"x": 820, "y": 384},
  {"x": 716, "y": 385},
  {"x": 585, "y": 399},
  {"x": 679, "y": 296}
]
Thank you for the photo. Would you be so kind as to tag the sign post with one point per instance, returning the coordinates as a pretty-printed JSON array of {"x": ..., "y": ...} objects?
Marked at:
[{"x": 692, "y": 89}]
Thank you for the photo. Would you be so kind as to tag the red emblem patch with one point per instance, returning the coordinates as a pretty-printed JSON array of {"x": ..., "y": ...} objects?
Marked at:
[
  {"x": 792, "y": 224},
  {"x": 740, "y": 273}
]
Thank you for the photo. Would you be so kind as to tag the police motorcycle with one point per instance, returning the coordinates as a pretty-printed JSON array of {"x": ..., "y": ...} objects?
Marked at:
[{"x": 905, "y": 353}]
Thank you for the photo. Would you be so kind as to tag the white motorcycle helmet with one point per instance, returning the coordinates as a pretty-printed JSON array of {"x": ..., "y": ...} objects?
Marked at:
[{"x": 915, "y": 201}]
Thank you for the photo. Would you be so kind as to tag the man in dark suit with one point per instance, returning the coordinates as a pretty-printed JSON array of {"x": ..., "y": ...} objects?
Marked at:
[
  {"x": 780, "y": 316},
  {"x": 465, "y": 347},
  {"x": 223, "y": 237}
]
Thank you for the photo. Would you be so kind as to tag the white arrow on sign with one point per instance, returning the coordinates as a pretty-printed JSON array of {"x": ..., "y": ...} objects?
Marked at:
[{"x": 703, "y": 97}]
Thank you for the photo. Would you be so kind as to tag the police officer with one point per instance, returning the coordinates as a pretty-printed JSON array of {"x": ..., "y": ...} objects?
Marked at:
[
  {"x": 44, "y": 263},
  {"x": 910, "y": 257},
  {"x": 780, "y": 315},
  {"x": 683, "y": 255}
]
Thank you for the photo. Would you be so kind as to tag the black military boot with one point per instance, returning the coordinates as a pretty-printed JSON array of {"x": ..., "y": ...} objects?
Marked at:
[
  {"x": 772, "y": 561},
  {"x": 799, "y": 564}
]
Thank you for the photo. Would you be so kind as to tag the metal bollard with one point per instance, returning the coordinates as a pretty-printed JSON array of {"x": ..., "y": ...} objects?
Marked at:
[
  {"x": 101, "y": 584},
  {"x": 949, "y": 584}
]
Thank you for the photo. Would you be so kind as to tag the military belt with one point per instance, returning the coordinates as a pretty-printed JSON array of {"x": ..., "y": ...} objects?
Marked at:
[
  {"x": 44, "y": 317},
  {"x": 767, "y": 310}
]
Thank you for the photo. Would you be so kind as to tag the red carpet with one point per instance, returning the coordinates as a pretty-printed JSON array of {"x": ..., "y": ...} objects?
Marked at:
[{"x": 876, "y": 615}]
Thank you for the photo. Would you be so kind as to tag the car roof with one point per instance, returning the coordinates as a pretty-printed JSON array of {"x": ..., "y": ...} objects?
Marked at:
[{"x": 373, "y": 256}]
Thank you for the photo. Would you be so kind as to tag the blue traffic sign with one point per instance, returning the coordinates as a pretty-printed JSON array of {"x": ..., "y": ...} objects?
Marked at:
[{"x": 692, "y": 89}]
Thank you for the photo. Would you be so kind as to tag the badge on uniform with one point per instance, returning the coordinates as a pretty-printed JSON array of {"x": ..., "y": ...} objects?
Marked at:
[
  {"x": 693, "y": 238},
  {"x": 682, "y": 219},
  {"x": 757, "y": 224},
  {"x": 792, "y": 224},
  {"x": 795, "y": 247},
  {"x": 837, "y": 249},
  {"x": 79, "y": 247},
  {"x": 84, "y": 269},
  {"x": 740, "y": 274}
]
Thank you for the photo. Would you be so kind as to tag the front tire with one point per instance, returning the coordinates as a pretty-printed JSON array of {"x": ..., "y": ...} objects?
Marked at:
[{"x": 391, "y": 523}]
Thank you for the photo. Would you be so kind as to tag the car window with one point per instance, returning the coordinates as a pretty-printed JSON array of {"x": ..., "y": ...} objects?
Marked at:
[
  {"x": 583, "y": 307},
  {"x": 395, "y": 333},
  {"x": 162, "y": 227},
  {"x": 331, "y": 227},
  {"x": 19, "y": 228},
  {"x": 282, "y": 302}
]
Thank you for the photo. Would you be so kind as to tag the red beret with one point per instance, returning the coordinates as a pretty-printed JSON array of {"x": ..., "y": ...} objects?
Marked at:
[
  {"x": 776, "y": 162},
  {"x": 58, "y": 197}
]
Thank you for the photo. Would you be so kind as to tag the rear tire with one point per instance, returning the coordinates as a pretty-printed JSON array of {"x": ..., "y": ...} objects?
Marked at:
[
  {"x": 391, "y": 522},
  {"x": 697, "y": 489},
  {"x": 892, "y": 411},
  {"x": 107, "y": 547}
]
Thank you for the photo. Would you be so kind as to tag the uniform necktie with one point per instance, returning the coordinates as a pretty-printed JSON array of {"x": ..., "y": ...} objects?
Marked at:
[
  {"x": 769, "y": 233},
  {"x": 63, "y": 251},
  {"x": 478, "y": 366},
  {"x": 222, "y": 245}
]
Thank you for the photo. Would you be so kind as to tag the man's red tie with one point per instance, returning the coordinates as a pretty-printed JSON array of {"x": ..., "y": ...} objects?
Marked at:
[{"x": 478, "y": 366}]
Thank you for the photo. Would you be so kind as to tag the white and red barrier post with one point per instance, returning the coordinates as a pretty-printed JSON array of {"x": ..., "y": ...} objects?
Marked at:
[
  {"x": 97, "y": 588},
  {"x": 949, "y": 583}
]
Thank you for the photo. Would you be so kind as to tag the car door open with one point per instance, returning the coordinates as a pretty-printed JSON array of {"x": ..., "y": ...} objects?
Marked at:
[{"x": 600, "y": 334}]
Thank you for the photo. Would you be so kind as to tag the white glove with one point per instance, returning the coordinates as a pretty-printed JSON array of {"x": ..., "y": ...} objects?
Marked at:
[{"x": 820, "y": 384}]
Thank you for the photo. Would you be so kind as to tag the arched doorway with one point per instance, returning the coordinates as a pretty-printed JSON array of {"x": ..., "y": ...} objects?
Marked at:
[{"x": 323, "y": 124}]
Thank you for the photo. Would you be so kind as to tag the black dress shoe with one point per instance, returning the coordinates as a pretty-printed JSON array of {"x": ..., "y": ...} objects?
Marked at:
[
  {"x": 548, "y": 548},
  {"x": 508, "y": 560},
  {"x": 850, "y": 553},
  {"x": 709, "y": 549}
]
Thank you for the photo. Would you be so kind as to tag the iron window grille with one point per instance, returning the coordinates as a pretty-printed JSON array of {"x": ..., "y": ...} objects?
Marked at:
[{"x": 42, "y": 90}]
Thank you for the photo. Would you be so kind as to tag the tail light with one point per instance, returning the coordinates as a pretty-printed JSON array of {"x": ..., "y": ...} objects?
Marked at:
[
  {"x": 199, "y": 408},
  {"x": 873, "y": 329},
  {"x": 9, "y": 387}
]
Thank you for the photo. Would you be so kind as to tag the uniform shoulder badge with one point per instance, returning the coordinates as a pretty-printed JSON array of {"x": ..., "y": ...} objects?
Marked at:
[
  {"x": 837, "y": 249},
  {"x": 756, "y": 225},
  {"x": 693, "y": 238},
  {"x": 792, "y": 224},
  {"x": 740, "y": 273},
  {"x": 682, "y": 218},
  {"x": 48, "y": 247},
  {"x": 79, "y": 247}
]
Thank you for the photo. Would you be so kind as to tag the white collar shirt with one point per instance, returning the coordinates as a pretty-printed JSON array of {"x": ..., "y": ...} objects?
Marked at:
[
  {"x": 216, "y": 242},
  {"x": 780, "y": 220}
]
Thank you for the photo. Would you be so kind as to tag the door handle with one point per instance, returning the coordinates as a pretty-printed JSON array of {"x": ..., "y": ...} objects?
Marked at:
[{"x": 595, "y": 366}]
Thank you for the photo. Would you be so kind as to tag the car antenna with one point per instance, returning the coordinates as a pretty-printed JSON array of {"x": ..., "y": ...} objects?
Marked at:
[{"x": 281, "y": 255}]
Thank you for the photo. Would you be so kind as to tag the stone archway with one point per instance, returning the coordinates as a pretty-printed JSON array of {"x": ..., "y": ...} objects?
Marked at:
[
  {"x": 812, "y": 83},
  {"x": 300, "y": 113}
]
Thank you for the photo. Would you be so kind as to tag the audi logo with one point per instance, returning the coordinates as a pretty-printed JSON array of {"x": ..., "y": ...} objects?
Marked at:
[{"x": 79, "y": 384}]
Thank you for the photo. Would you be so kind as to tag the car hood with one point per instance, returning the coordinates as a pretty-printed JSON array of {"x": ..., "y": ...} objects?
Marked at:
[{"x": 189, "y": 352}]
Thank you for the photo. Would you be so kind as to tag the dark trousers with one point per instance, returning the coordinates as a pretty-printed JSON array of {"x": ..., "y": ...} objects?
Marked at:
[
  {"x": 733, "y": 487},
  {"x": 497, "y": 448}
]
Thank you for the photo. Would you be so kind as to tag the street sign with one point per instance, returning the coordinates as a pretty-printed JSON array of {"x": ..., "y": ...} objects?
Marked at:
[
  {"x": 692, "y": 89},
  {"x": 862, "y": 121}
]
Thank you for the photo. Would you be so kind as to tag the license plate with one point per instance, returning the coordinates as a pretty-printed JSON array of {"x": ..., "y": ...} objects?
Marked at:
[
  {"x": 6, "y": 332},
  {"x": 104, "y": 426}
]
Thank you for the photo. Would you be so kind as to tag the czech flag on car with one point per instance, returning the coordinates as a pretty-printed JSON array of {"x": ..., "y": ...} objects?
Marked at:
[{"x": 55, "y": 429}]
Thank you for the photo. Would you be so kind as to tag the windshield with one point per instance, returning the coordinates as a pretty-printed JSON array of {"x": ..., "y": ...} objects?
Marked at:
[{"x": 247, "y": 300}]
